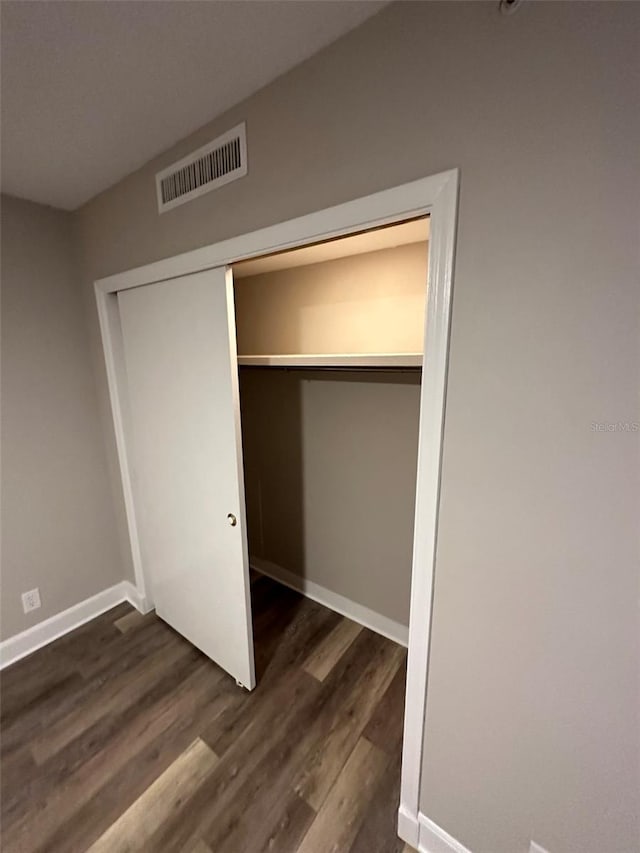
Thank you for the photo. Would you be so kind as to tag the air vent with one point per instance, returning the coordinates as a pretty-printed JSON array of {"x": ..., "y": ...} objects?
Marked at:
[{"x": 208, "y": 168}]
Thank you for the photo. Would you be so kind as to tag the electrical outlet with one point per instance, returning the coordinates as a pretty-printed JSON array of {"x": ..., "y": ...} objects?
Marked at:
[
  {"x": 536, "y": 848},
  {"x": 31, "y": 600}
]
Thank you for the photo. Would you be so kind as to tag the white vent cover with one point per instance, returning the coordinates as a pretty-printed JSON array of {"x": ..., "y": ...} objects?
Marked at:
[{"x": 217, "y": 163}]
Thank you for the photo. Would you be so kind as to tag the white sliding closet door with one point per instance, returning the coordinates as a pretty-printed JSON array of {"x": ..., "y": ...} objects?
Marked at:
[{"x": 180, "y": 353}]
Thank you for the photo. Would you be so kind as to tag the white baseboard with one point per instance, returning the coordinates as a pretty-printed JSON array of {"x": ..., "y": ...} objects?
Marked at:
[
  {"x": 408, "y": 827},
  {"x": 433, "y": 839},
  {"x": 23, "y": 644},
  {"x": 133, "y": 596},
  {"x": 425, "y": 835},
  {"x": 357, "y": 612}
]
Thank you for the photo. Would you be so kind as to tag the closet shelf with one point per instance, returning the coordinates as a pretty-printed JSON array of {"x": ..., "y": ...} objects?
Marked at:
[{"x": 335, "y": 360}]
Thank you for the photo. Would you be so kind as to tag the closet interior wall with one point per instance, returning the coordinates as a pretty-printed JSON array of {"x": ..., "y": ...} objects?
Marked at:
[{"x": 330, "y": 455}]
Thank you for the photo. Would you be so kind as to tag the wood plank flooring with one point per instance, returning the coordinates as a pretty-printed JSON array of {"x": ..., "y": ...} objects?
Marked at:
[{"x": 123, "y": 737}]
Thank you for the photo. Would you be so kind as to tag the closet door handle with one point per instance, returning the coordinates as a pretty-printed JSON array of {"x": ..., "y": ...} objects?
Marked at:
[{"x": 232, "y": 519}]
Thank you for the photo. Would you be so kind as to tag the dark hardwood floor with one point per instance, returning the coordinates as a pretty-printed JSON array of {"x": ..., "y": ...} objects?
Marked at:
[{"x": 121, "y": 736}]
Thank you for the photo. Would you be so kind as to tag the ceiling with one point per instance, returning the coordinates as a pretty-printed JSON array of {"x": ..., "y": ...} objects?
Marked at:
[
  {"x": 374, "y": 240},
  {"x": 93, "y": 90}
]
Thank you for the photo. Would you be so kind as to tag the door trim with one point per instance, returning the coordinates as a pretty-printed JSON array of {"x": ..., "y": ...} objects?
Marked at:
[{"x": 436, "y": 196}]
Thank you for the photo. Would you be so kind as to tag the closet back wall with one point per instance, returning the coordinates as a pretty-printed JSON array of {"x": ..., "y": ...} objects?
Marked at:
[
  {"x": 373, "y": 302},
  {"x": 330, "y": 474}
]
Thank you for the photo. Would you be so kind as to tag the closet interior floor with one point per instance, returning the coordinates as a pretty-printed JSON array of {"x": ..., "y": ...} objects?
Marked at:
[{"x": 122, "y": 736}]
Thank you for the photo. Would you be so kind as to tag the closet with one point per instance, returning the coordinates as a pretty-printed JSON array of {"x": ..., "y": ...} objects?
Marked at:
[
  {"x": 272, "y": 419},
  {"x": 330, "y": 341}
]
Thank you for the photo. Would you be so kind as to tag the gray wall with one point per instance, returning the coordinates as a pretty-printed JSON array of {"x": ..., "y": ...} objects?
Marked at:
[
  {"x": 58, "y": 525},
  {"x": 301, "y": 432},
  {"x": 532, "y": 727}
]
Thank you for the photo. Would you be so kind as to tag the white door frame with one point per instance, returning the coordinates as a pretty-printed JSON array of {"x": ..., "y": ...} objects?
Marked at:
[{"x": 436, "y": 196}]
